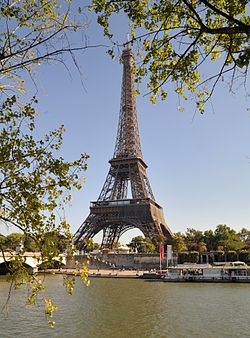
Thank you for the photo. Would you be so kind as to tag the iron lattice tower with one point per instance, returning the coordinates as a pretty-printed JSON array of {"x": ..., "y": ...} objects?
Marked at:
[{"x": 114, "y": 212}]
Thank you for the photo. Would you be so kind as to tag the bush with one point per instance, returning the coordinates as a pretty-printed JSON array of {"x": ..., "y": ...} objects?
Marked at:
[
  {"x": 188, "y": 257},
  {"x": 244, "y": 256},
  {"x": 182, "y": 257},
  {"x": 193, "y": 257},
  {"x": 219, "y": 256},
  {"x": 231, "y": 256}
]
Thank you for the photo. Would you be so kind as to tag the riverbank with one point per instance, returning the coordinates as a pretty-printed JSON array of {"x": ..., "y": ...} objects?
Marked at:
[
  {"x": 135, "y": 274},
  {"x": 100, "y": 273}
]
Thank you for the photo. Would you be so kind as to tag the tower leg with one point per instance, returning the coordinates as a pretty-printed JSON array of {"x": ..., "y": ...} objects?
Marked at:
[{"x": 111, "y": 236}]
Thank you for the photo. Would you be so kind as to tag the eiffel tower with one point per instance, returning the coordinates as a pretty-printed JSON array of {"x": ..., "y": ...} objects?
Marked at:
[{"x": 114, "y": 212}]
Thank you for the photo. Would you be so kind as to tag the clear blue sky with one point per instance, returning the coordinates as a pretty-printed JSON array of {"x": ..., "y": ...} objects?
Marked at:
[{"x": 198, "y": 165}]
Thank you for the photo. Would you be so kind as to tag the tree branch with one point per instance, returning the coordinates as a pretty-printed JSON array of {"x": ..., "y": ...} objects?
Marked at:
[
  {"x": 46, "y": 56},
  {"x": 241, "y": 28},
  {"x": 175, "y": 66},
  {"x": 227, "y": 16}
]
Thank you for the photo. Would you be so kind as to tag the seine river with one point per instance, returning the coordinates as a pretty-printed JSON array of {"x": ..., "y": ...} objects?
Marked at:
[{"x": 126, "y": 308}]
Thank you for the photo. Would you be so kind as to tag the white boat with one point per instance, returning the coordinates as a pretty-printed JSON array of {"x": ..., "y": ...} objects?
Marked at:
[{"x": 223, "y": 272}]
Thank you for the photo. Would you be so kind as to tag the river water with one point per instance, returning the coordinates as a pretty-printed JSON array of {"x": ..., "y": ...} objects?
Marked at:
[{"x": 126, "y": 308}]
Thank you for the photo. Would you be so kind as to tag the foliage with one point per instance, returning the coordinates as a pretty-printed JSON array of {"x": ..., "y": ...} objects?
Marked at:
[
  {"x": 3, "y": 241},
  {"x": 49, "y": 311},
  {"x": 14, "y": 240},
  {"x": 177, "y": 39},
  {"x": 227, "y": 238},
  {"x": 182, "y": 257},
  {"x": 244, "y": 256},
  {"x": 210, "y": 240},
  {"x": 142, "y": 245},
  {"x": 33, "y": 32},
  {"x": 188, "y": 257},
  {"x": 195, "y": 240},
  {"x": 244, "y": 236},
  {"x": 91, "y": 245},
  {"x": 82, "y": 271},
  {"x": 35, "y": 181},
  {"x": 231, "y": 256},
  {"x": 179, "y": 243},
  {"x": 116, "y": 245},
  {"x": 193, "y": 257},
  {"x": 35, "y": 184},
  {"x": 29, "y": 244},
  {"x": 220, "y": 256},
  {"x": 224, "y": 241}
]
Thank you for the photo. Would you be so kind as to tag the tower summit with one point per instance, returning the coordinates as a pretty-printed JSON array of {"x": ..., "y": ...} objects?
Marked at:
[{"x": 115, "y": 212}]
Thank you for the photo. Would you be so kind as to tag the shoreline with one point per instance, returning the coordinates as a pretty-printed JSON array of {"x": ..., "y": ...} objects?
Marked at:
[
  {"x": 135, "y": 274},
  {"x": 99, "y": 273}
]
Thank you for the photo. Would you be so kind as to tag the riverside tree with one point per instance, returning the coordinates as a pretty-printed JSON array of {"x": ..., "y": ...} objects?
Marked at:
[
  {"x": 35, "y": 184},
  {"x": 176, "y": 40},
  {"x": 33, "y": 32},
  {"x": 142, "y": 245},
  {"x": 223, "y": 238},
  {"x": 35, "y": 180}
]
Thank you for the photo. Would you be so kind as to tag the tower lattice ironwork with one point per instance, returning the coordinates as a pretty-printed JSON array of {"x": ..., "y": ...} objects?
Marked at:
[{"x": 114, "y": 212}]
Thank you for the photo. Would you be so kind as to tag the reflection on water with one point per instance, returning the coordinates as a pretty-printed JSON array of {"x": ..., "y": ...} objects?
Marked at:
[{"x": 117, "y": 308}]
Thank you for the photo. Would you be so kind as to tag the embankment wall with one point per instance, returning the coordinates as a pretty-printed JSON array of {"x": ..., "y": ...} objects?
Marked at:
[{"x": 127, "y": 261}]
